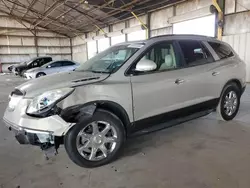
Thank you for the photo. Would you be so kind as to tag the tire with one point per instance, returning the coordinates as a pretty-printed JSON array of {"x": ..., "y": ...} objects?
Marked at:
[
  {"x": 71, "y": 139},
  {"x": 40, "y": 74},
  {"x": 223, "y": 114}
]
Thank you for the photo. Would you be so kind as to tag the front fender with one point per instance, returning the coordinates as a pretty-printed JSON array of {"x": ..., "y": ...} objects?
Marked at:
[{"x": 75, "y": 113}]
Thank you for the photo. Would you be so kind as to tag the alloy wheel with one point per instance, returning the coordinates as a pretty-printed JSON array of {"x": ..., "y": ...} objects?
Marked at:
[
  {"x": 230, "y": 103},
  {"x": 96, "y": 141}
]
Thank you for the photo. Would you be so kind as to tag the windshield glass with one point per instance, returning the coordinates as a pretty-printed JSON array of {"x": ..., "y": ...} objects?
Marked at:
[
  {"x": 24, "y": 63},
  {"x": 111, "y": 59}
]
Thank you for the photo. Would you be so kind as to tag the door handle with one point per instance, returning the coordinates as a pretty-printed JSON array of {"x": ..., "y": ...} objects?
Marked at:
[
  {"x": 215, "y": 73},
  {"x": 179, "y": 81}
]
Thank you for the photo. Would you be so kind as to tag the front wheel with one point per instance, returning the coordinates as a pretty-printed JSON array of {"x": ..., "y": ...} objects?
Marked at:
[
  {"x": 95, "y": 141},
  {"x": 229, "y": 102}
]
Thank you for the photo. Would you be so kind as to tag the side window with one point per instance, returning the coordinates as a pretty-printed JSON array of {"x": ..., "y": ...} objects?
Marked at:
[
  {"x": 34, "y": 64},
  {"x": 163, "y": 55},
  {"x": 55, "y": 64},
  {"x": 67, "y": 63},
  {"x": 46, "y": 60},
  {"x": 221, "y": 50},
  {"x": 195, "y": 53},
  {"x": 41, "y": 62}
]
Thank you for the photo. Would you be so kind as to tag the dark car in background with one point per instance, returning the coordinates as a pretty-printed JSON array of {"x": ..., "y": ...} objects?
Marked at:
[{"x": 33, "y": 63}]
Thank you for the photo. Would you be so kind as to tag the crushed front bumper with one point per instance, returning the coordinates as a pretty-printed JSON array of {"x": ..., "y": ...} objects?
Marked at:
[
  {"x": 29, "y": 136},
  {"x": 15, "y": 116}
]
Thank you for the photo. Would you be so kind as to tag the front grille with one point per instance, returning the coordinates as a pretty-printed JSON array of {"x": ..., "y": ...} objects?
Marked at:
[{"x": 17, "y": 92}]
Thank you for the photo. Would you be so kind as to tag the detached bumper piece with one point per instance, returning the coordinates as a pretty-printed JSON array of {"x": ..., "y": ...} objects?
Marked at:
[
  {"x": 46, "y": 141},
  {"x": 35, "y": 138}
]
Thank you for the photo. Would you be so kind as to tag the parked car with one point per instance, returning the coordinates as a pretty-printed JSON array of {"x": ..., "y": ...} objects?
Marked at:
[
  {"x": 33, "y": 63},
  {"x": 130, "y": 87},
  {"x": 51, "y": 68}
]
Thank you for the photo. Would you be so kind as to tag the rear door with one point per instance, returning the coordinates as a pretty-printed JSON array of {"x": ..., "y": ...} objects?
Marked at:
[
  {"x": 199, "y": 70},
  {"x": 225, "y": 68}
]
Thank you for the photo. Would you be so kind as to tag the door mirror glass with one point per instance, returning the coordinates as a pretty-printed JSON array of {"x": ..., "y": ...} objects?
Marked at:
[{"x": 145, "y": 65}]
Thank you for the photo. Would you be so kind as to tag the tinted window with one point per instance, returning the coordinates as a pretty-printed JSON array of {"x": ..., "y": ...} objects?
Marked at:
[
  {"x": 195, "y": 53},
  {"x": 46, "y": 60},
  {"x": 35, "y": 63},
  {"x": 55, "y": 64},
  {"x": 221, "y": 50},
  {"x": 41, "y": 62},
  {"x": 67, "y": 63}
]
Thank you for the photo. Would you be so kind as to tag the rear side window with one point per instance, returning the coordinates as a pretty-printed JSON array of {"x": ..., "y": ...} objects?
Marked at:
[
  {"x": 55, "y": 64},
  {"x": 35, "y": 63},
  {"x": 46, "y": 60},
  {"x": 221, "y": 50},
  {"x": 67, "y": 63},
  {"x": 195, "y": 53}
]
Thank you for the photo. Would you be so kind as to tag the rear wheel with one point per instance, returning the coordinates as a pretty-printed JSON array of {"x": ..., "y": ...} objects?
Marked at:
[
  {"x": 229, "y": 102},
  {"x": 40, "y": 74},
  {"x": 95, "y": 141}
]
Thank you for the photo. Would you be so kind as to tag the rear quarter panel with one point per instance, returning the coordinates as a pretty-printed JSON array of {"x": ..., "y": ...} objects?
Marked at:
[{"x": 230, "y": 69}]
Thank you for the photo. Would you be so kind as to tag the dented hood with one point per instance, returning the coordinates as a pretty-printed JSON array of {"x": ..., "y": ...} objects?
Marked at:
[{"x": 61, "y": 80}]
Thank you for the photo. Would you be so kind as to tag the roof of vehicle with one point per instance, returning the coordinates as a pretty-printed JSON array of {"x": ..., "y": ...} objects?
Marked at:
[
  {"x": 44, "y": 57},
  {"x": 188, "y": 36},
  {"x": 57, "y": 61},
  {"x": 34, "y": 58},
  {"x": 174, "y": 36}
]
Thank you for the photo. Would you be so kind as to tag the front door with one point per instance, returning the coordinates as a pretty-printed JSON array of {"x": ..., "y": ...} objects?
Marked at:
[
  {"x": 164, "y": 90},
  {"x": 54, "y": 67}
]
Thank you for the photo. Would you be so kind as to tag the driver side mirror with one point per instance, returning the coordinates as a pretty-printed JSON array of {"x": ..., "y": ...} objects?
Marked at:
[
  {"x": 48, "y": 66},
  {"x": 145, "y": 65}
]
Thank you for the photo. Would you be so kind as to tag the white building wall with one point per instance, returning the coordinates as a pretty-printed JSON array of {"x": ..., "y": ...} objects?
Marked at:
[
  {"x": 161, "y": 23},
  {"x": 17, "y": 44},
  {"x": 237, "y": 29},
  {"x": 80, "y": 53}
]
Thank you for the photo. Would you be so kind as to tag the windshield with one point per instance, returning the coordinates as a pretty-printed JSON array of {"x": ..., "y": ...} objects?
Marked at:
[
  {"x": 111, "y": 59},
  {"x": 31, "y": 60},
  {"x": 24, "y": 63}
]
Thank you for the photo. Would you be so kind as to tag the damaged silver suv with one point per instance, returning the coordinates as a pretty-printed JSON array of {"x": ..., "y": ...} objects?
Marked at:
[{"x": 130, "y": 88}]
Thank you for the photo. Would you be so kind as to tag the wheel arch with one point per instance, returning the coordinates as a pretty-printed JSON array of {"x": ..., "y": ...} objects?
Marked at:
[
  {"x": 40, "y": 73},
  {"x": 71, "y": 114},
  {"x": 236, "y": 81}
]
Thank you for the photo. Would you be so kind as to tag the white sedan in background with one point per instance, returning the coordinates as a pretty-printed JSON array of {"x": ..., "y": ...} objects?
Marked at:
[{"x": 51, "y": 68}]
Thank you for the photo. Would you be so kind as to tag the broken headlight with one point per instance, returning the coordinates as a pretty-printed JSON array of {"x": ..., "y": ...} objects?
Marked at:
[{"x": 44, "y": 102}]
